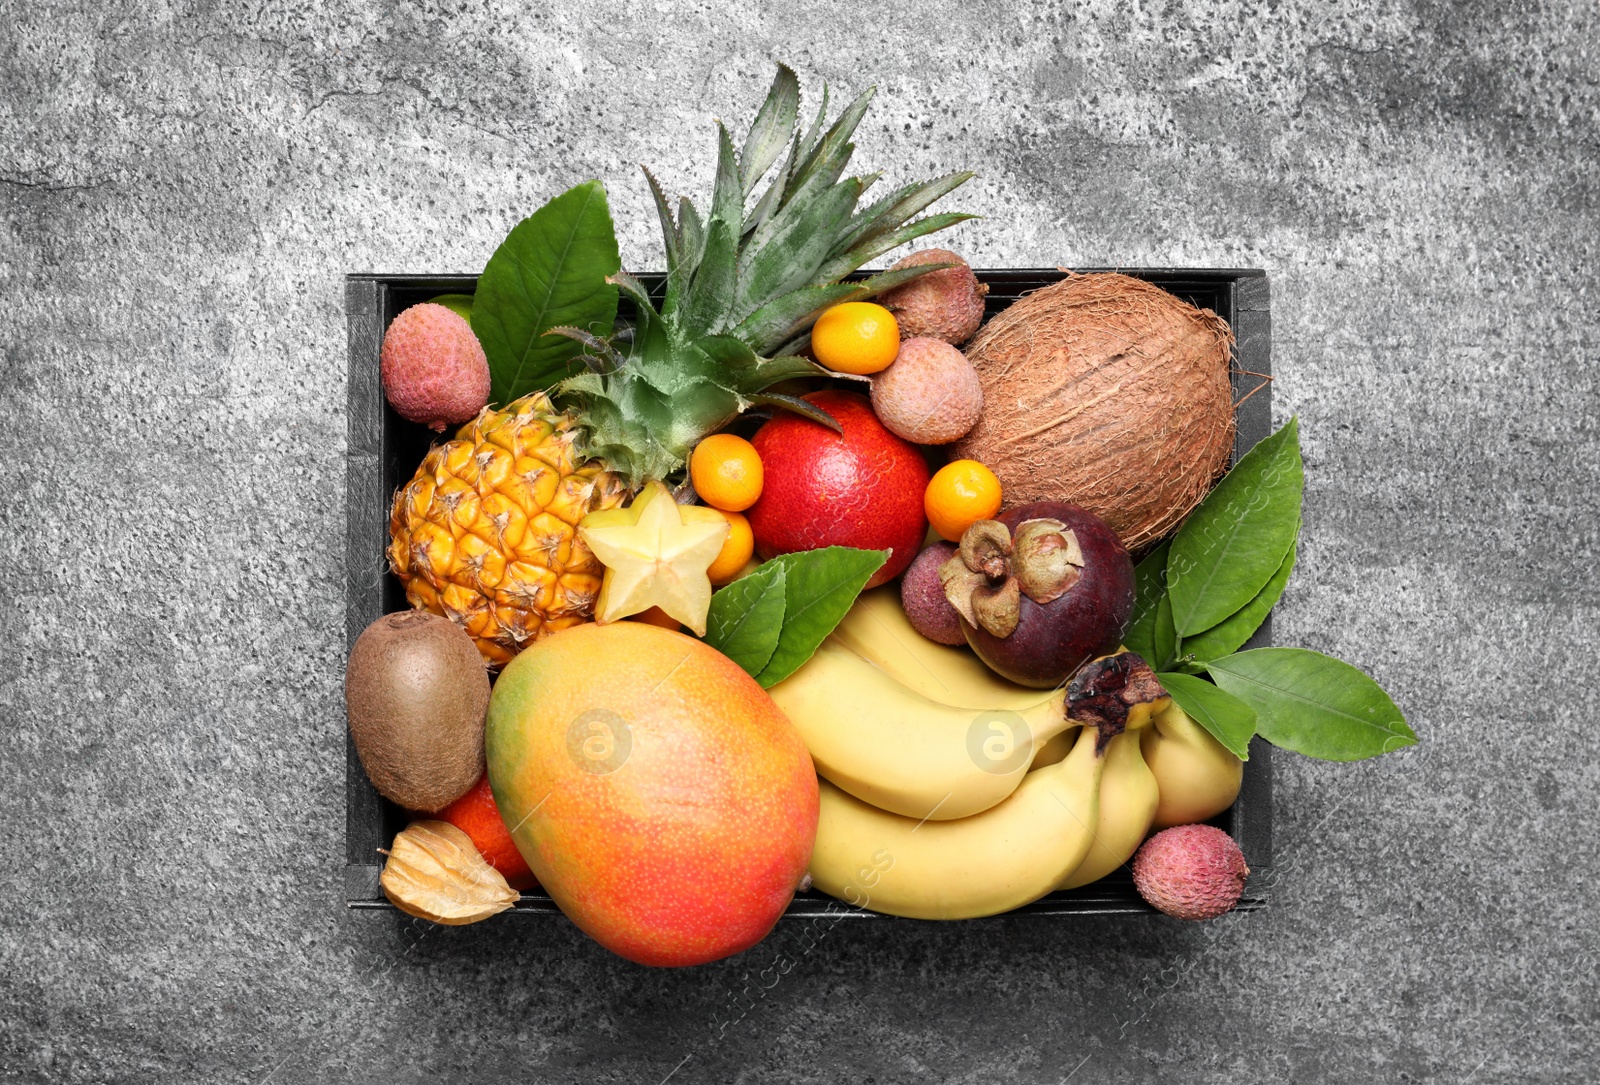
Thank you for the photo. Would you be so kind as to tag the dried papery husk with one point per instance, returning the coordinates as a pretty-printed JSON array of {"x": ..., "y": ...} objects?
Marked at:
[
  {"x": 1108, "y": 392},
  {"x": 435, "y": 872}
]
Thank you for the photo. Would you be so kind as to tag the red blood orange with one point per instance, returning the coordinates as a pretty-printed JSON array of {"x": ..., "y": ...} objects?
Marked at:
[
  {"x": 476, "y": 815},
  {"x": 863, "y": 489}
]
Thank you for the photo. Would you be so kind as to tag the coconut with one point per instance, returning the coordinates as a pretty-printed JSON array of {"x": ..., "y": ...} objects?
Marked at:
[{"x": 1107, "y": 392}]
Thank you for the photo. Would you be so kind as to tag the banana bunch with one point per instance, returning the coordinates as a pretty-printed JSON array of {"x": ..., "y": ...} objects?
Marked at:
[
  {"x": 906, "y": 753},
  {"x": 1003, "y": 858},
  {"x": 876, "y": 628},
  {"x": 1169, "y": 773},
  {"x": 1198, "y": 777},
  {"x": 950, "y": 793}
]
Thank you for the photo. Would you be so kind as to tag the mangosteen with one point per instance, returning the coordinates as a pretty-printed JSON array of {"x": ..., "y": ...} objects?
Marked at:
[{"x": 1041, "y": 590}]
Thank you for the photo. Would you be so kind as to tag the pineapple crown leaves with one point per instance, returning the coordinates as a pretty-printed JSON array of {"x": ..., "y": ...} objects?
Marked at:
[
  {"x": 644, "y": 411},
  {"x": 767, "y": 275},
  {"x": 744, "y": 287}
]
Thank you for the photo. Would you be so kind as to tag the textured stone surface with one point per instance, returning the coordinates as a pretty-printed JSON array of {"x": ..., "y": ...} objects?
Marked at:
[{"x": 182, "y": 187}]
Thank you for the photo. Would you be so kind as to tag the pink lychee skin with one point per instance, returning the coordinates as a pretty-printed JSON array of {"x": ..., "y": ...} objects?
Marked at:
[
  {"x": 945, "y": 304},
  {"x": 1190, "y": 872},
  {"x": 930, "y": 394},
  {"x": 434, "y": 370},
  {"x": 922, "y": 596}
]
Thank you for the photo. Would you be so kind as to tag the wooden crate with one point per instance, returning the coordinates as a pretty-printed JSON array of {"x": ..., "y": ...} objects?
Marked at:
[{"x": 384, "y": 451}]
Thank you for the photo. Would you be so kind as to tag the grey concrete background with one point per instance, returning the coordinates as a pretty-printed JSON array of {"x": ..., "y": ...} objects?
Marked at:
[{"x": 182, "y": 188}]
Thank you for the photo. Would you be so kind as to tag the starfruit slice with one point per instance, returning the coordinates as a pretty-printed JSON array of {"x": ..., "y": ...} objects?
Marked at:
[{"x": 656, "y": 553}]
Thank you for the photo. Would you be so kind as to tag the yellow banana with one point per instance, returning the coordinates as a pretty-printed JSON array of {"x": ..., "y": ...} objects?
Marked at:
[
  {"x": 1197, "y": 776},
  {"x": 991, "y": 862},
  {"x": 1052, "y": 752},
  {"x": 877, "y": 629},
  {"x": 1128, "y": 798},
  {"x": 892, "y": 747}
]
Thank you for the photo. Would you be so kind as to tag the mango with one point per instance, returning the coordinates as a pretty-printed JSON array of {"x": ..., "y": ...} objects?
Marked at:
[{"x": 659, "y": 795}]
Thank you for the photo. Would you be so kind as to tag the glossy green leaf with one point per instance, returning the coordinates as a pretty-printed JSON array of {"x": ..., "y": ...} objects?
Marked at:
[
  {"x": 819, "y": 587},
  {"x": 1149, "y": 588},
  {"x": 1314, "y": 704},
  {"x": 1230, "y": 547},
  {"x": 1228, "y": 635},
  {"x": 1230, "y": 720},
  {"x": 746, "y": 618},
  {"x": 1166, "y": 637},
  {"x": 551, "y": 270}
]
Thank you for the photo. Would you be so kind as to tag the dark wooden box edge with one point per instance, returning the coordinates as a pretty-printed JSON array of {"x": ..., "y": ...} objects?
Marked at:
[{"x": 1245, "y": 297}]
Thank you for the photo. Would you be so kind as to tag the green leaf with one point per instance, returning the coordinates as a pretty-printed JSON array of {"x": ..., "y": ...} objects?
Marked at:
[
  {"x": 769, "y": 132},
  {"x": 693, "y": 233},
  {"x": 459, "y": 304},
  {"x": 787, "y": 321},
  {"x": 1230, "y": 547},
  {"x": 1230, "y": 720},
  {"x": 1228, "y": 635},
  {"x": 819, "y": 587},
  {"x": 802, "y": 407},
  {"x": 894, "y": 209},
  {"x": 598, "y": 354},
  {"x": 710, "y": 296},
  {"x": 746, "y": 617},
  {"x": 1149, "y": 588},
  {"x": 731, "y": 354},
  {"x": 1314, "y": 704},
  {"x": 671, "y": 241},
  {"x": 727, "y": 197},
  {"x": 794, "y": 244},
  {"x": 772, "y": 371},
  {"x": 825, "y": 158},
  {"x": 1166, "y": 637},
  {"x": 550, "y": 270},
  {"x": 805, "y": 145},
  {"x": 871, "y": 250},
  {"x": 778, "y": 320}
]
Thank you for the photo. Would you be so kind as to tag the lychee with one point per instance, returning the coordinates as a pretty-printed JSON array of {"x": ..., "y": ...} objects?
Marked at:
[
  {"x": 945, "y": 304},
  {"x": 433, "y": 368},
  {"x": 923, "y": 598},
  {"x": 930, "y": 395},
  {"x": 1190, "y": 872}
]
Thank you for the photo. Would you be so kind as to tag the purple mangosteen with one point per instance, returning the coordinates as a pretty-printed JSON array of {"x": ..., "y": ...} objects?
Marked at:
[{"x": 1041, "y": 590}]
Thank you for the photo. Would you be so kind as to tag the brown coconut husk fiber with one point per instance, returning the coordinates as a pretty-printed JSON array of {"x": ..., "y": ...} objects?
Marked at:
[{"x": 1107, "y": 392}]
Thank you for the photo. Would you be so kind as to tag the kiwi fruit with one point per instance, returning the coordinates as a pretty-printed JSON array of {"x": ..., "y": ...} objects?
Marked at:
[{"x": 416, "y": 692}]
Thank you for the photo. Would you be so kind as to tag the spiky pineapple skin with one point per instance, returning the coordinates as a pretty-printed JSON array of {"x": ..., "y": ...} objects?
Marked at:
[{"x": 485, "y": 533}]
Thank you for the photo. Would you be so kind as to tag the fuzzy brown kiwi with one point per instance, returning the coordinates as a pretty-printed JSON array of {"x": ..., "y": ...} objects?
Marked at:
[
  {"x": 416, "y": 692},
  {"x": 1107, "y": 392}
]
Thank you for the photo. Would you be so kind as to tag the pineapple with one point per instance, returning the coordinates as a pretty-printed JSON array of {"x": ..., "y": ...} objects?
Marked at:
[{"x": 486, "y": 532}]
